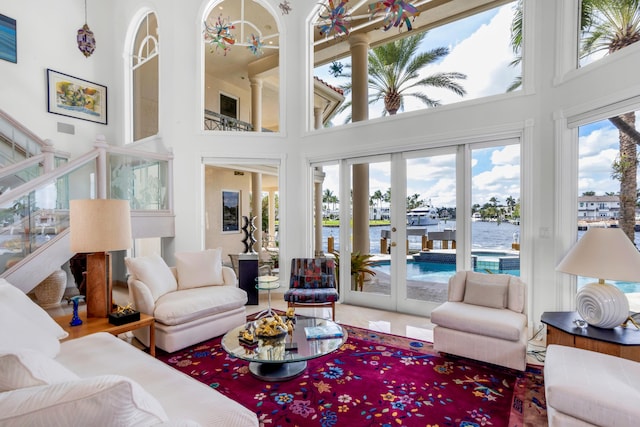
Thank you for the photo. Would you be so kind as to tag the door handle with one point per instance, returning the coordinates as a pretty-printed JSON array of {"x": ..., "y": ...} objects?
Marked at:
[
  {"x": 393, "y": 229},
  {"x": 393, "y": 244}
]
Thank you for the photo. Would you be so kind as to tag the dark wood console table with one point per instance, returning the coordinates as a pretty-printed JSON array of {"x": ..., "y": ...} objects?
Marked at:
[{"x": 619, "y": 341}]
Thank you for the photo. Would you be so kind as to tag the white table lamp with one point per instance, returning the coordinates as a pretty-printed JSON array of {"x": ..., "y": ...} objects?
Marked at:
[{"x": 605, "y": 254}]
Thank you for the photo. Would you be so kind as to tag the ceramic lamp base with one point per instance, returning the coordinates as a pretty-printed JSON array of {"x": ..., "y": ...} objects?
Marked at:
[{"x": 602, "y": 305}]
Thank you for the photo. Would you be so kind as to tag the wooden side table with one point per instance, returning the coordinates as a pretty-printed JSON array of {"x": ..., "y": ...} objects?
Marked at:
[
  {"x": 619, "y": 341},
  {"x": 101, "y": 324}
]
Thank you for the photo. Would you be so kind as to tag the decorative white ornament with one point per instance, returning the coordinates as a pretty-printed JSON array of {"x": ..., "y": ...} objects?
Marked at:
[{"x": 602, "y": 305}]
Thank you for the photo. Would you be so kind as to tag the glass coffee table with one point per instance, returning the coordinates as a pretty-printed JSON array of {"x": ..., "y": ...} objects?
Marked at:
[{"x": 284, "y": 358}]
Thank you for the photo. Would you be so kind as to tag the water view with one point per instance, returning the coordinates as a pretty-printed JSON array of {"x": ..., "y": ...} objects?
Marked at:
[
  {"x": 486, "y": 235},
  {"x": 490, "y": 236}
]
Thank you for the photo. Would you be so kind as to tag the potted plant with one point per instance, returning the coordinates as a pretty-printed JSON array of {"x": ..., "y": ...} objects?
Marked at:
[{"x": 360, "y": 265}]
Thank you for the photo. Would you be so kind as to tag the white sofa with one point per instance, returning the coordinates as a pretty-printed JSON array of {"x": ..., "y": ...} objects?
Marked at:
[
  {"x": 197, "y": 300},
  {"x": 97, "y": 380},
  {"x": 484, "y": 319},
  {"x": 585, "y": 388}
]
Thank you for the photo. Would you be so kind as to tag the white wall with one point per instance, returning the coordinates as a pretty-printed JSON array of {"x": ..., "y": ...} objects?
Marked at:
[{"x": 47, "y": 39}]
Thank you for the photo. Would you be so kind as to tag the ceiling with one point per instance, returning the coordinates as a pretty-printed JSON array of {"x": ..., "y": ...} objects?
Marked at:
[{"x": 249, "y": 18}]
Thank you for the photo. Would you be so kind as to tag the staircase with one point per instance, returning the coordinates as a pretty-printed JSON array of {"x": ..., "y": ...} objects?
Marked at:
[{"x": 37, "y": 182}]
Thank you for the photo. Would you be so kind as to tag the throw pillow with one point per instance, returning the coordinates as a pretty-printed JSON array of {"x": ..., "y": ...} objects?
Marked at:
[
  {"x": 517, "y": 295},
  {"x": 14, "y": 298},
  {"x": 154, "y": 273},
  {"x": 202, "y": 268},
  {"x": 19, "y": 332},
  {"x": 29, "y": 368},
  {"x": 111, "y": 400},
  {"x": 456, "y": 286},
  {"x": 486, "y": 294}
]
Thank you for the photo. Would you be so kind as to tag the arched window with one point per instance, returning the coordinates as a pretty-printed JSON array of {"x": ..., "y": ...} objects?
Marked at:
[
  {"x": 241, "y": 43},
  {"x": 144, "y": 78}
]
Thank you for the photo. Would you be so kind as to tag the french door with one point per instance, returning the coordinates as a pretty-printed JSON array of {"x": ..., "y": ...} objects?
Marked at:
[{"x": 411, "y": 212}]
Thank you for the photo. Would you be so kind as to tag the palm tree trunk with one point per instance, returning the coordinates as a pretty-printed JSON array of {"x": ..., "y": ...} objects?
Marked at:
[{"x": 629, "y": 167}]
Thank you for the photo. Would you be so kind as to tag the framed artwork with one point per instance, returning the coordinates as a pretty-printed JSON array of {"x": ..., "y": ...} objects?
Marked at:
[
  {"x": 230, "y": 211},
  {"x": 73, "y": 97},
  {"x": 8, "y": 47},
  {"x": 229, "y": 106}
]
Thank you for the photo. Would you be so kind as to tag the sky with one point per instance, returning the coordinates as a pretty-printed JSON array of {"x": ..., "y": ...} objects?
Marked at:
[{"x": 496, "y": 172}]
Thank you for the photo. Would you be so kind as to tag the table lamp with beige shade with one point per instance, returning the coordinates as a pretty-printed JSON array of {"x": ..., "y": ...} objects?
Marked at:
[
  {"x": 605, "y": 254},
  {"x": 99, "y": 226}
]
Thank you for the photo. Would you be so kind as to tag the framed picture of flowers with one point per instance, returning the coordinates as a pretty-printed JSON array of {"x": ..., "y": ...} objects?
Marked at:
[{"x": 74, "y": 97}]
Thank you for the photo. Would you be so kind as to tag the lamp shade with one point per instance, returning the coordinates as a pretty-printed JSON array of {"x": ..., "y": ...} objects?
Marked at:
[
  {"x": 603, "y": 253},
  {"x": 99, "y": 225}
]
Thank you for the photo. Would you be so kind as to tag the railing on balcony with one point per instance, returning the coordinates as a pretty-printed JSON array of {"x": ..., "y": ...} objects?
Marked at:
[
  {"x": 216, "y": 121},
  {"x": 37, "y": 211}
]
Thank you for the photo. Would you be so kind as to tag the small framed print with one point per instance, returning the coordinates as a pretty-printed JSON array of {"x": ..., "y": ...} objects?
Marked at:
[
  {"x": 230, "y": 211},
  {"x": 74, "y": 97}
]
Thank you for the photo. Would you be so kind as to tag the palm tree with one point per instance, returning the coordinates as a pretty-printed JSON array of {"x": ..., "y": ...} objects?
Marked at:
[
  {"x": 611, "y": 25},
  {"x": 606, "y": 25},
  {"x": 394, "y": 74}
]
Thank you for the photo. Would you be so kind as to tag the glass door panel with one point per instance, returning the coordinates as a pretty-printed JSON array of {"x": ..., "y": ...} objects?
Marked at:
[
  {"x": 430, "y": 249},
  {"x": 369, "y": 233},
  {"x": 495, "y": 210}
]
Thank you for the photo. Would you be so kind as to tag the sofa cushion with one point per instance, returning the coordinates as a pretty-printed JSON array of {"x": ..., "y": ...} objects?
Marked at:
[
  {"x": 183, "y": 306},
  {"x": 16, "y": 300},
  {"x": 597, "y": 388},
  {"x": 154, "y": 273},
  {"x": 106, "y": 400},
  {"x": 202, "y": 268},
  {"x": 29, "y": 368},
  {"x": 485, "y": 293},
  {"x": 19, "y": 332},
  {"x": 477, "y": 319}
]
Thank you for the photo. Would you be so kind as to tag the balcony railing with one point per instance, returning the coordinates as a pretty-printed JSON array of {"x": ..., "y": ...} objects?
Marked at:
[
  {"x": 216, "y": 121},
  {"x": 35, "y": 212}
]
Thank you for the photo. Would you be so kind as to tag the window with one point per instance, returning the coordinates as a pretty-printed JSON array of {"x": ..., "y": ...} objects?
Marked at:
[
  {"x": 241, "y": 51},
  {"x": 606, "y": 27},
  {"x": 604, "y": 153},
  {"x": 144, "y": 71},
  {"x": 452, "y": 49}
]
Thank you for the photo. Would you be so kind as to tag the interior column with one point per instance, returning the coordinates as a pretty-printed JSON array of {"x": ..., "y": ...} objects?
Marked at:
[
  {"x": 256, "y": 103},
  {"x": 256, "y": 207}
]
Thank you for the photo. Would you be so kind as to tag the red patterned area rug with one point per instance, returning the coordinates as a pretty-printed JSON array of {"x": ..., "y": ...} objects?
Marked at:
[{"x": 375, "y": 379}]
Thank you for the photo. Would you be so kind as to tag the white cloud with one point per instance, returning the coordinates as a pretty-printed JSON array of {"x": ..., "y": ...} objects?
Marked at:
[{"x": 484, "y": 57}]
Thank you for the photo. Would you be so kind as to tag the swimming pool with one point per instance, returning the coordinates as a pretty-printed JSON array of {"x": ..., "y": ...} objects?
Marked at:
[{"x": 435, "y": 272}]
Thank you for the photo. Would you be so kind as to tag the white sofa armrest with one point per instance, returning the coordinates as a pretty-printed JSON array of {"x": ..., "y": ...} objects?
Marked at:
[
  {"x": 141, "y": 297},
  {"x": 229, "y": 276}
]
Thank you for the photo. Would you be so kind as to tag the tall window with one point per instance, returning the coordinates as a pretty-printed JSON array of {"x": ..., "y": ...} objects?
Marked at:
[
  {"x": 421, "y": 69},
  {"x": 144, "y": 71},
  {"x": 241, "y": 46},
  {"x": 608, "y": 183}
]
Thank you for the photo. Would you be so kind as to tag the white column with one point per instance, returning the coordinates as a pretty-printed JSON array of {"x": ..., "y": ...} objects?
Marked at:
[
  {"x": 256, "y": 103},
  {"x": 256, "y": 207},
  {"x": 272, "y": 215}
]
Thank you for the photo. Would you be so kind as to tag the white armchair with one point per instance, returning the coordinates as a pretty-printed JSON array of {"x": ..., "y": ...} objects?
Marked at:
[
  {"x": 197, "y": 300},
  {"x": 484, "y": 319}
]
